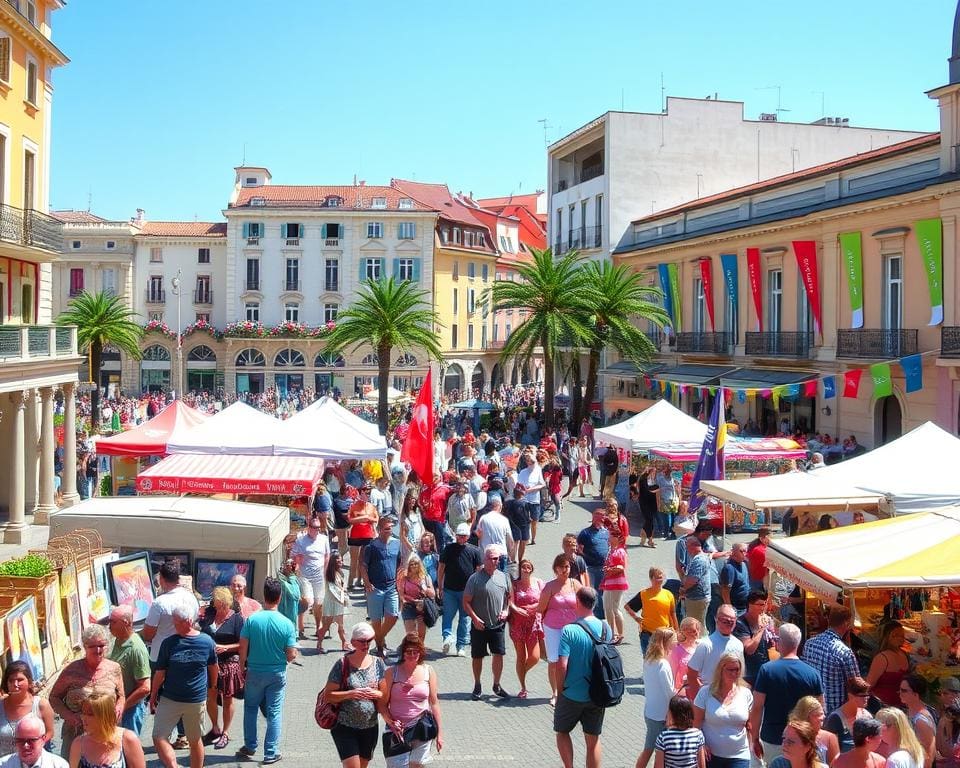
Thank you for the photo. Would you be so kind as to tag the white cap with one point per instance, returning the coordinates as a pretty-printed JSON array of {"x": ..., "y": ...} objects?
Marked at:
[{"x": 463, "y": 529}]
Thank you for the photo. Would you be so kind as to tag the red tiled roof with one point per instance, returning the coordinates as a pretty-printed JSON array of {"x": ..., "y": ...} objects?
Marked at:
[
  {"x": 527, "y": 201},
  {"x": 184, "y": 229},
  {"x": 77, "y": 217},
  {"x": 437, "y": 197},
  {"x": 359, "y": 197},
  {"x": 918, "y": 142}
]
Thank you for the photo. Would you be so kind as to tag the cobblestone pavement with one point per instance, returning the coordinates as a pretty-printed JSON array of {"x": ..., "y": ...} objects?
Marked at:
[{"x": 486, "y": 732}]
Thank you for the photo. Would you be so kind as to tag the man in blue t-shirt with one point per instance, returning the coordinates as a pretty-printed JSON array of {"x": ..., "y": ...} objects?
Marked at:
[
  {"x": 735, "y": 579},
  {"x": 379, "y": 563},
  {"x": 268, "y": 642},
  {"x": 593, "y": 543},
  {"x": 186, "y": 668},
  {"x": 574, "y": 669}
]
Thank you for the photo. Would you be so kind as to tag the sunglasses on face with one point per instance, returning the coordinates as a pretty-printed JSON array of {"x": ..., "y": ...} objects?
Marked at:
[{"x": 27, "y": 742}]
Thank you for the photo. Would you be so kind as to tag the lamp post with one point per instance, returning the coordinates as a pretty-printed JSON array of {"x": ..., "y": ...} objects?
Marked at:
[{"x": 177, "y": 290}]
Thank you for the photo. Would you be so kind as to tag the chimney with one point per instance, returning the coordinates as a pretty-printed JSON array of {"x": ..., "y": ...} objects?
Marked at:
[{"x": 138, "y": 220}]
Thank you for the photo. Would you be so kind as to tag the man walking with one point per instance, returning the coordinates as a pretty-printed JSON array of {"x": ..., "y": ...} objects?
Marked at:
[
  {"x": 695, "y": 587},
  {"x": 574, "y": 670},
  {"x": 268, "y": 642},
  {"x": 130, "y": 652},
  {"x": 458, "y": 562},
  {"x": 493, "y": 529},
  {"x": 486, "y": 599},
  {"x": 311, "y": 552},
  {"x": 593, "y": 543},
  {"x": 707, "y": 654},
  {"x": 735, "y": 579},
  {"x": 829, "y": 654},
  {"x": 530, "y": 481},
  {"x": 378, "y": 569}
]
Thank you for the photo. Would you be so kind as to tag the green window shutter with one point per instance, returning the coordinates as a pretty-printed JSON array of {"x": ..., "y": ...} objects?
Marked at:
[
  {"x": 363, "y": 270},
  {"x": 339, "y": 230},
  {"x": 413, "y": 229},
  {"x": 246, "y": 229},
  {"x": 416, "y": 270},
  {"x": 383, "y": 267},
  {"x": 399, "y": 231},
  {"x": 323, "y": 231},
  {"x": 300, "y": 230},
  {"x": 396, "y": 269}
]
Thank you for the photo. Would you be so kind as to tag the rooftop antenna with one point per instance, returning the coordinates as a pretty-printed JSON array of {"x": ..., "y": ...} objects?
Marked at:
[
  {"x": 778, "y": 90},
  {"x": 244, "y": 161},
  {"x": 621, "y": 100},
  {"x": 663, "y": 95},
  {"x": 89, "y": 200},
  {"x": 543, "y": 121}
]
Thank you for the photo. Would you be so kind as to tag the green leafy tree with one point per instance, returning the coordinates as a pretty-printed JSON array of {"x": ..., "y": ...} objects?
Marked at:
[
  {"x": 617, "y": 298},
  {"x": 101, "y": 319},
  {"x": 387, "y": 315},
  {"x": 553, "y": 292}
]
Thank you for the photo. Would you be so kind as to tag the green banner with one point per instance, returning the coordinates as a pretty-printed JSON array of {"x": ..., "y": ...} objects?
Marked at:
[
  {"x": 853, "y": 267},
  {"x": 930, "y": 239},
  {"x": 882, "y": 381},
  {"x": 675, "y": 296}
]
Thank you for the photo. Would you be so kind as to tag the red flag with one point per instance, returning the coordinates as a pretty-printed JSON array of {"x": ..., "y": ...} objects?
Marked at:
[
  {"x": 706, "y": 278},
  {"x": 810, "y": 388},
  {"x": 756, "y": 283},
  {"x": 851, "y": 382},
  {"x": 417, "y": 449},
  {"x": 806, "y": 252}
]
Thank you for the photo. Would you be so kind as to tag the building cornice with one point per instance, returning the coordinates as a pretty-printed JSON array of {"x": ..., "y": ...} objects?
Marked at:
[{"x": 11, "y": 17}]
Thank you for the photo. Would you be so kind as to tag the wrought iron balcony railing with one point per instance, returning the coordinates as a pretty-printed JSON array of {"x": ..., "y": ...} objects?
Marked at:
[
  {"x": 876, "y": 342},
  {"x": 778, "y": 343}
]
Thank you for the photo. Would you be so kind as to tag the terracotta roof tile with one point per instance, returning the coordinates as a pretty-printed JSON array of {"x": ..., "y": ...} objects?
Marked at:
[
  {"x": 184, "y": 229},
  {"x": 438, "y": 198},
  {"x": 77, "y": 217},
  {"x": 359, "y": 197}
]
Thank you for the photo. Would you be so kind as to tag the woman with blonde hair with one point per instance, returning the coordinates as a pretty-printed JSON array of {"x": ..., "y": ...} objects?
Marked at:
[
  {"x": 904, "y": 749},
  {"x": 415, "y": 588},
  {"x": 103, "y": 743},
  {"x": 809, "y": 710},
  {"x": 688, "y": 637},
  {"x": 799, "y": 747},
  {"x": 658, "y": 689},
  {"x": 224, "y": 625},
  {"x": 722, "y": 712}
]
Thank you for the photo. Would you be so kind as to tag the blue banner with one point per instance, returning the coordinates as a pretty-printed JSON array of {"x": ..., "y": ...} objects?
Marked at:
[
  {"x": 664, "y": 272},
  {"x": 710, "y": 466},
  {"x": 829, "y": 387},
  {"x": 792, "y": 391},
  {"x": 728, "y": 262},
  {"x": 913, "y": 372},
  {"x": 741, "y": 396}
]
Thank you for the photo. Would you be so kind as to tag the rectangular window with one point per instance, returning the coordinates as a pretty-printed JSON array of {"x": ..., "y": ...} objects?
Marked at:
[
  {"x": 252, "y": 311},
  {"x": 291, "y": 312},
  {"x": 155, "y": 294},
  {"x": 483, "y": 337},
  {"x": 203, "y": 255},
  {"x": 457, "y": 238},
  {"x": 110, "y": 245},
  {"x": 453, "y": 336},
  {"x": 330, "y": 312},
  {"x": 405, "y": 203},
  {"x": 893, "y": 291},
  {"x": 471, "y": 301},
  {"x": 485, "y": 272},
  {"x": 583, "y": 224},
  {"x": 31, "y": 11},
  {"x": 804, "y": 313},
  {"x": 253, "y": 274},
  {"x": 445, "y": 235},
  {"x": 203, "y": 294},
  {"x": 202, "y": 317},
  {"x": 292, "y": 276},
  {"x": 405, "y": 269},
  {"x": 156, "y": 317},
  {"x": 481, "y": 240},
  {"x": 76, "y": 281},
  {"x": 558, "y": 230},
  {"x": 503, "y": 244},
  {"x": 699, "y": 306},
  {"x": 456, "y": 270},
  {"x": 570, "y": 240},
  {"x": 775, "y": 300},
  {"x": 292, "y": 231},
  {"x": 471, "y": 270},
  {"x": 470, "y": 336},
  {"x": 156, "y": 255},
  {"x": 108, "y": 280},
  {"x": 508, "y": 330},
  {"x": 76, "y": 244},
  {"x": 5, "y": 58},
  {"x": 331, "y": 275},
  {"x": 496, "y": 334},
  {"x": 331, "y": 234},
  {"x": 598, "y": 222},
  {"x": 29, "y": 178},
  {"x": 468, "y": 238},
  {"x": 456, "y": 300},
  {"x": 372, "y": 269},
  {"x": 406, "y": 230},
  {"x": 732, "y": 321},
  {"x": 32, "y": 81},
  {"x": 374, "y": 229},
  {"x": 378, "y": 202}
]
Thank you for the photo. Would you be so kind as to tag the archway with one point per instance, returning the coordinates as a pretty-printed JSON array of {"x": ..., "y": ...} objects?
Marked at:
[
  {"x": 478, "y": 379},
  {"x": 515, "y": 376},
  {"x": 453, "y": 380},
  {"x": 525, "y": 373},
  {"x": 201, "y": 369},
  {"x": 496, "y": 377},
  {"x": 887, "y": 420},
  {"x": 250, "y": 380},
  {"x": 288, "y": 382},
  {"x": 155, "y": 369}
]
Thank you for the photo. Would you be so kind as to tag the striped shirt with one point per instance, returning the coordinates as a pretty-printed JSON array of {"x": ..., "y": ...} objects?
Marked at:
[{"x": 680, "y": 748}]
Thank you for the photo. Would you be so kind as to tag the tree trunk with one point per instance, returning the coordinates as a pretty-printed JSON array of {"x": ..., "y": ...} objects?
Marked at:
[
  {"x": 96, "y": 353},
  {"x": 590, "y": 390},
  {"x": 383, "y": 367},
  {"x": 548, "y": 385},
  {"x": 576, "y": 392}
]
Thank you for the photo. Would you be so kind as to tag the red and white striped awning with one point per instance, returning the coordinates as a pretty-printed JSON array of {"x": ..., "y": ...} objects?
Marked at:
[{"x": 196, "y": 473}]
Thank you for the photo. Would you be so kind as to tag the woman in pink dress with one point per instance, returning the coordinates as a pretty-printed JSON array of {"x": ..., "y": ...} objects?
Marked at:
[
  {"x": 558, "y": 606},
  {"x": 526, "y": 629},
  {"x": 691, "y": 631}
]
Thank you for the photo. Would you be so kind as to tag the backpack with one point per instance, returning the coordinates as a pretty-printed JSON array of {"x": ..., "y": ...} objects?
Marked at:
[{"x": 606, "y": 670}]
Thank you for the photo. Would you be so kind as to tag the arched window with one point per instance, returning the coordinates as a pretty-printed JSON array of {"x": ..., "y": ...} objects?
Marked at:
[
  {"x": 251, "y": 358},
  {"x": 371, "y": 360},
  {"x": 326, "y": 360},
  {"x": 406, "y": 360},
  {"x": 156, "y": 352},
  {"x": 288, "y": 358},
  {"x": 202, "y": 353}
]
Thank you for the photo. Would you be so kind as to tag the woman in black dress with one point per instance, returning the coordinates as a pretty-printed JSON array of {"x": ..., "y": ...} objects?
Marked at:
[
  {"x": 649, "y": 496},
  {"x": 223, "y": 624}
]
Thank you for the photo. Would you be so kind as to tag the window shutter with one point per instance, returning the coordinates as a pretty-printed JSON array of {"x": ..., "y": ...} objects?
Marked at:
[
  {"x": 400, "y": 231},
  {"x": 412, "y": 228},
  {"x": 396, "y": 269},
  {"x": 416, "y": 270},
  {"x": 246, "y": 229},
  {"x": 283, "y": 230},
  {"x": 383, "y": 267},
  {"x": 300, "y": 230},
  {"x": 323, "y": 231},
  {"x": 363, "y": 270}
]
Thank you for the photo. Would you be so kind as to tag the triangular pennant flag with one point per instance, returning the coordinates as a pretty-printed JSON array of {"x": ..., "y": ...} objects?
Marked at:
[
  {"x": 882, "y": 381},
  {"x": 829, "y": 387},
  {"x": 667, "y": 389},
  {"x": 810, "y": 388},
  {"x": 851, "y": 382},
  {"x": 913, "y": 371},
  {"x": 764, "y": 393}
]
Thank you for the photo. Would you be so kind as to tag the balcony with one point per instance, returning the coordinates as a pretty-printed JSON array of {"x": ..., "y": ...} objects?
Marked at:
[
  {"x": 876, "y": 343},
  {"x": 717, "y": 343},
  {"x": 496, "y": 343},
  {"x": 949, "y": 341},
  {"x": 290, "y": 285},
  {"x": 30, "y": 228},
  {"x": 293, "y": 242},
  {"x": 331, "y": 242},
  {"x": 156, "y": 296},
  {"x": 778, "y": 344},
  {"x": 203, "y": 297},
  {"x": 252, "y": 284},
  {"x": 30, "y": 342}
]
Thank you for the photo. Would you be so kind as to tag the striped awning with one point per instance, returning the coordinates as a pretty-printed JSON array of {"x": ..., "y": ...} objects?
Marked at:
[{"x": 225, "y": 473}]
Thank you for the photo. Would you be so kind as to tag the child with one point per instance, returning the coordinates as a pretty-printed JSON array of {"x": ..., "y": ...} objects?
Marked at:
[
  {"x": 680, "y": 745},
  {"x": 335, "y": 601},
  {"x": 690, "y": 633},
  {"x": 614, "y": 584},
  {"x": 578, "y": 566}
]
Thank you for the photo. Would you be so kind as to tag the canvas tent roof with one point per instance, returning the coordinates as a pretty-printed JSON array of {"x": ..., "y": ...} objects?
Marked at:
[
  {"x": 658, "y": 426},
  {"x": 237, "y": 429},
  {"x": 794, "y": 489},
  {"x": 151, "y": 437},
  {"x": 328, "y": 430},
  {"x": 191, "y": 473}
]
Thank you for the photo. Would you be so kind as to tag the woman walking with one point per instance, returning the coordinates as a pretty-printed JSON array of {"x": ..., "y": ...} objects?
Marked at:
[
  {"x": 526, "y": 629},
  {"x": 614, "y": 584},
  {"x": 223, "y": 624},
  {"x": 649, "y": 503},
  {"x": 415, "y": 588},
  {"x": 363, "y": 519},
  {"x": 558, "y": 607},
  {"x": 722, "y": 712},
  {"x": 658, "y": 689}
]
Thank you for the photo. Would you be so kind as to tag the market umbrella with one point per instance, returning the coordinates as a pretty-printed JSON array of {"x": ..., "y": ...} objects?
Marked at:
[{"x": 475, "y": 405}]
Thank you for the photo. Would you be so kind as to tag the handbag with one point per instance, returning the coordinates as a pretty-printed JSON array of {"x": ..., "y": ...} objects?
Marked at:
[
  {"x": 424, "y": 730},
  {"x": 431, "y": 612},
  {"x": 326, "y": 712}
]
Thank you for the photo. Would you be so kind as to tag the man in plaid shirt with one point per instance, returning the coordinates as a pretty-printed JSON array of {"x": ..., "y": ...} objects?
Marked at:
[{"x": 832, "y": 658}]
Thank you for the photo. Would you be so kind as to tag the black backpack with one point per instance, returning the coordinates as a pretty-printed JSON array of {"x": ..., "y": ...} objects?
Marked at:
[{"x": 606, "y": 671}]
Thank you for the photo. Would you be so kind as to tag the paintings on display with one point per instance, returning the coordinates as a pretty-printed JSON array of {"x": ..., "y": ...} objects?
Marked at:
[
  {"x": 218, "y": 573},
  {"x": 130, "y": 582}
]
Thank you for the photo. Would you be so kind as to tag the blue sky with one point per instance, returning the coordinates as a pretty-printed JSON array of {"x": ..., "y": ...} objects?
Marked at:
[{"x": 162, "y": 99}]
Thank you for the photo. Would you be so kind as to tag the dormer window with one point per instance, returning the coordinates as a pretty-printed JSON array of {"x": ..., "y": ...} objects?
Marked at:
[
  {"x": 332, "y": 201},
  {"x": 378, "y": 202},
  {"x": 258, "y": 201},
  {"x": 405, "y": 204}
]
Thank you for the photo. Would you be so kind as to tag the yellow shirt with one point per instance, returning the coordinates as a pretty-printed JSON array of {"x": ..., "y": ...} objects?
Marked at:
[
  {"x": 658, "y": 607},
  {"x": 373, "y": 470}
]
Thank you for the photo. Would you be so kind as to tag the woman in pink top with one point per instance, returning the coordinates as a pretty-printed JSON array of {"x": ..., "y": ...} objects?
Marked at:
[
  {"x": 407, "y": 692},
  {"x": 558, "y": 606},
  {"x": 614, "y": 584},
  {"x": 526, "y": 630},
  {"x": 415, "y": 589},
  {"x": 690, "y": 633}
]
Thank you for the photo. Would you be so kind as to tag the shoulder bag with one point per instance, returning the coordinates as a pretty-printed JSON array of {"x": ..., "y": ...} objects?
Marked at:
[{"x": 326, "y": 712}]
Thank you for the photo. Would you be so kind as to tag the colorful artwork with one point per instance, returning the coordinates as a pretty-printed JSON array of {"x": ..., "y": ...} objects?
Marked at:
[
  {"x": 84, "y": 590},
  {"x": 218, "y": 573},
  {"x": 98, "y": 606},
  {"x": 184, "y": 561},
  {"x": 54, "y": 629},
  {"x": 131, "y": 583},
  {"x": 23, "y": 636},
  {"x": 74, "y": 619},
  {"x": 100, "y": 568}
]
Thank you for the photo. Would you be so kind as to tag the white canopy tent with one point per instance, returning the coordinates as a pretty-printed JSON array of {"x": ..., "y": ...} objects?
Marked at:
[
  {"x": 237, "y": 429},
  {"x": 659, "y": 425},
  {"x": 393, "y": 395},
  {"x": 328, "y": 430},
  {"x": 793, "y": 489}
]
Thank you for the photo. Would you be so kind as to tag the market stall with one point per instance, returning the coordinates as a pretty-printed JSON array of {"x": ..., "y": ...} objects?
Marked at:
[
  {"x": 658, "y": 426},
  {"x": 251, "y": 475},
  {"x": 327, "y": 430},
  {"x": 237, "y": 429}
]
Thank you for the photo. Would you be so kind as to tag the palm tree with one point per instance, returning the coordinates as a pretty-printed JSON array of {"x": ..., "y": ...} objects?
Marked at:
[
  {"x": 617, "y": 296},
  {"x": 101, "y": 319},
  {"x": 553, "y": 293},
  {"x": 387, "y": 315}
]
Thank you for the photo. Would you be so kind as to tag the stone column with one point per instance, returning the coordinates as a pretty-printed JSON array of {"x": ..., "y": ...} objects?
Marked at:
[
  {"x": 69, "y": 484},
  {"x": 31, "y": 454},
  {"x": 47, "y": 499},
  {"x": 15, "y": 531}
]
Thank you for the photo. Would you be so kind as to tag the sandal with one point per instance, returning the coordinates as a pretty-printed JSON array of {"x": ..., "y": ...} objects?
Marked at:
[
  {"x": 222, "y": 741},
  {"x": 211, "y": 736},
  {"x": 522, "y": 694},
  {"x": 553, "y": 701}
]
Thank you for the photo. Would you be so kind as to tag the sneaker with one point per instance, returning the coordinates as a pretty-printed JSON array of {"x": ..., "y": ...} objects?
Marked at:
[
  {"x": 462, "y": 653},
  {"x": 181, "y": 743},
  {"x": 446, "y": 646},
  {"x": 498, "y": 691},
  {"x": 476, "y": 692},
  {"x": 271, "y": 760},
  {"x": 245, "y": 755}
]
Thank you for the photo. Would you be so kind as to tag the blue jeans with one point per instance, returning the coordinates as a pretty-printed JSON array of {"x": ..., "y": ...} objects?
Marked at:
[
  {"x": 596, "y": 576},
  {"x": 453, "y": 603},
  {"x": 439, "y": 531},
  {"x": 728, "y": 762},
  {"x": 266, "y": 688},
  {"x": 133, "y": 717}
]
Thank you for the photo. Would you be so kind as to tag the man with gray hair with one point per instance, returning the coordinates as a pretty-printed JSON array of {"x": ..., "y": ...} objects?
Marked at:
[
  {"x": 779, "y": 686},
  {"x": 493, "y": 529},
  {"x": 245, "y": 606},
  {"x": 186, "y": 669},
  {"x": 486, "y": 599},
  {"x": 28, "y": 738},
  {"x": 131, "y": 654}
]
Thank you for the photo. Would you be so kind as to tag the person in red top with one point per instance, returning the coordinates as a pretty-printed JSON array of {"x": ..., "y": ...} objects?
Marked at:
[
  {"x": 433, "y": 508},
  {"x": 757, "y": 559},
  {"x": 553, "y": 474}
]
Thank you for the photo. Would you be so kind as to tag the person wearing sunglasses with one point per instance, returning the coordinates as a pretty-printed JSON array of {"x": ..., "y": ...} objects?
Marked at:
[
  {"x": 29, "y": 738},
  {"x": 840, "y": 722}
]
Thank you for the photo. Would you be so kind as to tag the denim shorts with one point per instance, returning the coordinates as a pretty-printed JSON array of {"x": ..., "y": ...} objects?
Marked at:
[
  {"x": 535, "y": 511},
  {"x": 383, "y": 602}
]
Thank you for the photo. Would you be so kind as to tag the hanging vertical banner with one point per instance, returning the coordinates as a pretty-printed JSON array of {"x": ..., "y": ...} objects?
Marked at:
[
  {"x": 930, "y": 240},
  {"x": 664, "y": 274},
  {"x": 675, "y": 294},
  {"x": 851, "y": 382},
  {"x": 728, "y": 262},
  {"x": 706, "y": 276},
  {"x": 710, "y": 466},
  {"x": 806, "y": 253},
  {"x": 776, "y": 393},
  {"x": 853, "y": 267},
  {"x": 913, "y": 372},
  {"x": 882, "y": 380},
  {"x": 741, "y": 396},
  {"x": 756, "y": 283},
  {"x": 829, "y": 387}
]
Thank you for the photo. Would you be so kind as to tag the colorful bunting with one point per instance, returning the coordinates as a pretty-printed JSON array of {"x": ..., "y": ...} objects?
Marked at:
[
  {"x": 913, "y": 372},
  {"x": 882, "y": 381},
  {"x": 810, "y": 388},
  {"x": 829, "y": 387},
  {"x": 851, "y": 382}
]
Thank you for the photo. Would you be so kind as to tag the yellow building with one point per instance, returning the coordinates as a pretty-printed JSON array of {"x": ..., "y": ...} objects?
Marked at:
[{"x": 36, "y": 358}]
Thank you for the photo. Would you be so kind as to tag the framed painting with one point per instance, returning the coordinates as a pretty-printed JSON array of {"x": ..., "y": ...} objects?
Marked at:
[
  {"x": 84, "y": 590},
  {"x": 131, "y": 583},
  {"x": 98, "y": 606},
  {"x": 54, "y": 629},
  {"x": 74, "y": 618},
  {"x": 23, "y": 635},
  {"x": 100, "y": 569},
  {"x": 218, "y": 573},
  {"x": 184, "y": 560}
]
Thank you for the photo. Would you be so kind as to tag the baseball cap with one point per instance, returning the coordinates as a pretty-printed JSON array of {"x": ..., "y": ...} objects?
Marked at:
[
  {"x": 463, "y": 529},
  {"x": 950, "y": 684}
]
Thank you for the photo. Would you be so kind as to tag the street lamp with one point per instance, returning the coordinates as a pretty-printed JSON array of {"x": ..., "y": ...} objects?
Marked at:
[{"x": 176, "y": 287}]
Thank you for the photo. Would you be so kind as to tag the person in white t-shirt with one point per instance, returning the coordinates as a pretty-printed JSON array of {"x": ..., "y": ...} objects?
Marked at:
[
  {"x": 158, "y": 625},
  {"x": 530, "y": 479},
  {"x": 703, "y": 663},
  {"x": 311, "y": 552},
  {"x": 493, "y": 528}
]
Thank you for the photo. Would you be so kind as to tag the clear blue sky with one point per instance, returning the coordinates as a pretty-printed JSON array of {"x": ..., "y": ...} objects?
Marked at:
[{"x": 161, "y": 98}]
